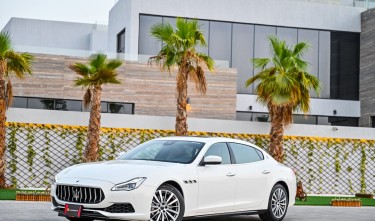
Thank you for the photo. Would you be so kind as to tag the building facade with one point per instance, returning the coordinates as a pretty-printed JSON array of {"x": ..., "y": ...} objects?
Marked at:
[{"x": 237, "y": 31}]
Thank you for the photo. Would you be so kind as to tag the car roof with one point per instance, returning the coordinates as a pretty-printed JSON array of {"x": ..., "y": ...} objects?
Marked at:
[{"x": 201, "y": 139}]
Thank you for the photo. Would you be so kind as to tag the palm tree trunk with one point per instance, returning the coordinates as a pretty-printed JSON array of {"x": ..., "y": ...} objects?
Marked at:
[
  {"x": 276, "y": 133},
  {"x": 181, "y": 115},
  {"x": 92, "y": 148},
  {"x": 2, "y": 124}
]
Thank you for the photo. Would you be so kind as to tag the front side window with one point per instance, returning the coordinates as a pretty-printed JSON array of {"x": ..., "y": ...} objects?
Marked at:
[
  {"x": 221, "y": 150},
  {"x": 175, "y": 151},
  {"x": 244, "y": 154}
]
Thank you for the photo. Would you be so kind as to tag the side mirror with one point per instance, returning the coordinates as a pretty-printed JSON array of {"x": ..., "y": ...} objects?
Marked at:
[
  {"x": 212, "y": 160},
  {"x": 120, "y": 154}
]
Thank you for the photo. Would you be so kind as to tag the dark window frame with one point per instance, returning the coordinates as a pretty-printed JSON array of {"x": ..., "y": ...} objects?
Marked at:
[{"x": 121, "y": 34}]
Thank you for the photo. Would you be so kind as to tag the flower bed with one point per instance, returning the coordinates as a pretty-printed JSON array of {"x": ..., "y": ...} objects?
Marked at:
[
  {"x": 346, "y": 202},
  {"x": 33, "y": 196}
]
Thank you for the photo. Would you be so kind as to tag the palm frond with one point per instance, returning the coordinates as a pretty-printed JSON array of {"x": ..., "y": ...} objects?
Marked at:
[
  {"x": 261, "y": 63},
  {"x": 5, "y": 44},
  {"x": 18, "y": 64}
]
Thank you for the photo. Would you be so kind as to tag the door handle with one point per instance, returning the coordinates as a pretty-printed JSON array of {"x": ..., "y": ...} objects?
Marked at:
[
  {"x": 231, "y": 174},
  {"x": 266, "y": 172}
]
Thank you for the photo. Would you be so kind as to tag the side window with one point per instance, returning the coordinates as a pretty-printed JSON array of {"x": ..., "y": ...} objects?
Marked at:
[
  {"x": 221, "y": 150},
  {"x": 244, "y": 154},
  {"x": 260, "y": 154}
]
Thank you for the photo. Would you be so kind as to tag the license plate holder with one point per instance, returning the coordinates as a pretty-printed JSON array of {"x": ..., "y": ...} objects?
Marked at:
[{"x": 73, "y": 211}]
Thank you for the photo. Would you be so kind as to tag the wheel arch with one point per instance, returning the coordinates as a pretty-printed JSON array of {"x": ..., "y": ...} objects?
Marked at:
[
  {"x": 283, "y": 183},
  {"x": 175, "y": 185}
]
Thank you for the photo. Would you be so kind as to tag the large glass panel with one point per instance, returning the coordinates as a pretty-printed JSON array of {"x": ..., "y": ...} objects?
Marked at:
[
  {"x": 262, "y": 44},
  {"x": 120, "y": 108},
  {"x": 220, "y": 40},
  {"x": 19, "y": 102},
  {"x": 324, "y": 62},
  {"x": 221, "y": 150},
  {"x": 343, "y": 121},
  {"x": 104, "y": 107},
  {"x": 344, "y": 81},
  {"x": 304, "y": 119},
  {"x": 121, "y": 41},
  {"x": 242, "y": 53},
  {"x": 41, "y": 103},
  {"x": 148, "y": 45},
  {"x": 244, "y": 154},
  {"x": 289, "y": 35}
]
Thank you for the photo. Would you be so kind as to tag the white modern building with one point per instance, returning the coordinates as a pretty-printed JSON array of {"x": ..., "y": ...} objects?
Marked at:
[{"x": 236, "y": 31}]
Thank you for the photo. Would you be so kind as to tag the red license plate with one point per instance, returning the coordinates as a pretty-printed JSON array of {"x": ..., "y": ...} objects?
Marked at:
[{"x": 73, "y": 211}]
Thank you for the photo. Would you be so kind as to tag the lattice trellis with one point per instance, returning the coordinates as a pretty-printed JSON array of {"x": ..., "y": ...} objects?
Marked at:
[{"x": 35, "y": 153}]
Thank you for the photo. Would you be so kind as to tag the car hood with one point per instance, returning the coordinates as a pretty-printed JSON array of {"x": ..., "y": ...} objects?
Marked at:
[{"x": 116, "y": 171}]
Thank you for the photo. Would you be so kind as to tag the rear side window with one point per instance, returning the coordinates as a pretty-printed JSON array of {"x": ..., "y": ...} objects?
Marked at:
[
  {"x": 221, "y": 150},
  {"x": 245, "y": 154}
]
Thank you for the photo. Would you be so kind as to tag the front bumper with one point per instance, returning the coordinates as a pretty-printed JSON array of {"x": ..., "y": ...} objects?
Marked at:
[{"x": 140, "y": 199}]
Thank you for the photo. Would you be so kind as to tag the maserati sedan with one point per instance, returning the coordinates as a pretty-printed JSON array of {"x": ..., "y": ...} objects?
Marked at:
[{"x": 168, "y": 179}]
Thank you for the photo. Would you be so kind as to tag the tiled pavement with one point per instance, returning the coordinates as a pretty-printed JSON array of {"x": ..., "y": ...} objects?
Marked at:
[{"x": 40, "y": 211}]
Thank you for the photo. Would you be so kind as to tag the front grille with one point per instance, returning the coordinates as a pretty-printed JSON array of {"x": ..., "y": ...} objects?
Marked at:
[
  {"x": 120, "y": 208},
  {"x": 78, "y": 194}
]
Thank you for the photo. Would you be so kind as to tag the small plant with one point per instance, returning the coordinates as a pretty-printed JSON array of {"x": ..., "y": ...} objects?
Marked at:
[{"x": 347, "y": 202}]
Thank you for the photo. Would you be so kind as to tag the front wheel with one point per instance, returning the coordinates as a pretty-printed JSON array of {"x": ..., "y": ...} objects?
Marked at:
[
  {"x": 167, "y": 204},
  {"x": 277, "y": 205}
]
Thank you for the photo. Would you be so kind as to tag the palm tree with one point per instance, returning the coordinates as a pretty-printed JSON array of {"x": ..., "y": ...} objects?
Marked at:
[
  {"x": 91, "y": 76},
  {"x": 11, "y": 64},
  {"x": 284, "y": 86},
  {"x": 179, "y": 50}
]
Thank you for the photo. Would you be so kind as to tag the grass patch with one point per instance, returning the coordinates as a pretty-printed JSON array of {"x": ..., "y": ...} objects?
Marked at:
[{"x": 326, "y": 201}]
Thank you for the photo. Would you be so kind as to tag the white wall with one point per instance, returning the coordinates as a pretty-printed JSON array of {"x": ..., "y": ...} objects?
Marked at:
[
  {"x": 167, "y": 123},
  {"x": 270, "y": 12},
  {"x": 319, "y": 107}
]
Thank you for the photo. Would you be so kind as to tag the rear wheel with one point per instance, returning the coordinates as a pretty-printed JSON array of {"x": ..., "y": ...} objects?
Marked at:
[
  {"x": 167, "y": 204},
  {"x": 277, "y": 205}
]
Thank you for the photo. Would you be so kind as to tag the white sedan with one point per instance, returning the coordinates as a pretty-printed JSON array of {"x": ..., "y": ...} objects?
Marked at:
[{"x": 168, "y": 179}]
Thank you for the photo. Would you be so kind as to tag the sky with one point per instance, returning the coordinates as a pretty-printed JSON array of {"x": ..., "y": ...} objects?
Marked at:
[{"x": 84, "y": 11}]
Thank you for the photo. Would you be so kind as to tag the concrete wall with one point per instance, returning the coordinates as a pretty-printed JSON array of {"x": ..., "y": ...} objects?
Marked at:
[
  {"x": 55, "y": 34},
  {"x": 271, "y": 12},
  {"x": 367, "y": 67},
  {"x": 195, "y": 124},
  {"x": 150, "y": 88}
]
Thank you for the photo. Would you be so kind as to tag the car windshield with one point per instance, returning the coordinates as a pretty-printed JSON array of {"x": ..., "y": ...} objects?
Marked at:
[{"x": 175, "y": 151}]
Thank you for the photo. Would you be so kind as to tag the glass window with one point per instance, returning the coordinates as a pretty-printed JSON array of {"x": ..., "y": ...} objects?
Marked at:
[
  {"x": 324, "y": 62},
  {"x": 204, "y": 27},
  {"x": 41, "y": 103},
  {"x": 121, "y": 41},
  {"x": 71, "y": 105},
  {"x": 104, "y": 107},
  {"x": 289, "y": 35},
  {"x": 148, "y": 45},
  {"x": 260, "y": 154},
  {"x": 19, "y": 102},
  {"x": 221, "y": 150},
  {"x": 220, "y": 41},
  {"x": 176, "y": 151},
  {"x": 120, "y": 108},
  {"x": 244, "y": 154},
  {"x": 242, "y": 52}
]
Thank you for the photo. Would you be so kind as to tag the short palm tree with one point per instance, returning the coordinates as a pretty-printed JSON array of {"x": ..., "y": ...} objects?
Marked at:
[
  {"x": 179, "y": 50},
  {"x": 11, "y": 64},
  {"x": 91, "y": 76},
  {"x": 284, "y": 86}
]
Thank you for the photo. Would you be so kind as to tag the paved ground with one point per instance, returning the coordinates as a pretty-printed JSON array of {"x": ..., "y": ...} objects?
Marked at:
[{"x": 40, "y": 211}]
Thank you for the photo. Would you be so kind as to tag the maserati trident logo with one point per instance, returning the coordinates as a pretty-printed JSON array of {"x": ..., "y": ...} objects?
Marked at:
[{"x": 76, "y": 194}]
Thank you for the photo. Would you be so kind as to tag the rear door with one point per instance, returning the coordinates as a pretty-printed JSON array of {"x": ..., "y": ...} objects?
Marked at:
[
  {"x": 217, "y": 183},
  {"x": 252, "y": 174}
]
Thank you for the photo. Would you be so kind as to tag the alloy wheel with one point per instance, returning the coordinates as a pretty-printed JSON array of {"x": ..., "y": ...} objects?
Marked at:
[
  {"x": 279, "y": 203},
  {"x": 165, "y": 206}
]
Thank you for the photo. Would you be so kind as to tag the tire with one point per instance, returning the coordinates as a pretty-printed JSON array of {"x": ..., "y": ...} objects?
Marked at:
[
  {"x": 277, "y": 205},
  {"x": 167, "y": 204}
]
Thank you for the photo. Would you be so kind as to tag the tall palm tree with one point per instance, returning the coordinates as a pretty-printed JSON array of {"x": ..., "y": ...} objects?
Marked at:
[
  {"x": 91, "y": 76},
  {"x": 11, "y": 64},
  {"x": 284, "y": 86},
  {"x": 179, "y": 50}
]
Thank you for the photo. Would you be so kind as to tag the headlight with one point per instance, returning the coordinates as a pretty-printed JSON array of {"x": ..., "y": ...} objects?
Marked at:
[{"x": 129, "y": 185}]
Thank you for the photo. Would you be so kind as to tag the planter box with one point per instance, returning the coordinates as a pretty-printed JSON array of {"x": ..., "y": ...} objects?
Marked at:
[
  {"x": 364, "y": 195},
  {"x": 33, "y": 197},
  {"x": 346, "y": 203}
]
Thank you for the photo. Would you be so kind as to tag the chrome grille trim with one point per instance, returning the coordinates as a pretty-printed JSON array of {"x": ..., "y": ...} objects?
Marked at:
[{"x": 79, "y": 194}]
